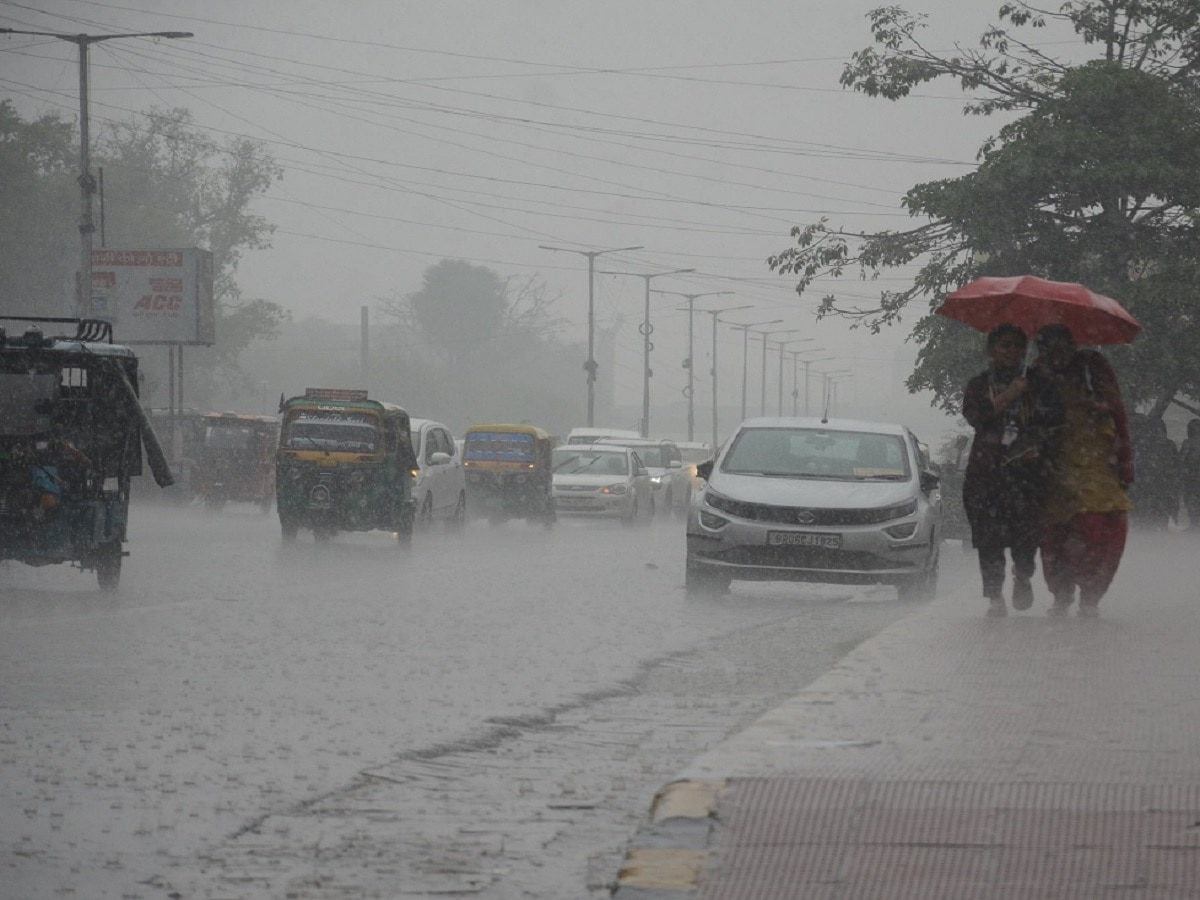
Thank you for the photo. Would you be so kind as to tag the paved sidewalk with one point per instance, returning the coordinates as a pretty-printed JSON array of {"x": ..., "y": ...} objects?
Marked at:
[{"x": 958, "y": 757}]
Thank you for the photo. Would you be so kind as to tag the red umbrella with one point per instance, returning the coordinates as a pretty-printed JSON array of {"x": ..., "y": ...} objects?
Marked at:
[{"x": 1030, "y": 302}]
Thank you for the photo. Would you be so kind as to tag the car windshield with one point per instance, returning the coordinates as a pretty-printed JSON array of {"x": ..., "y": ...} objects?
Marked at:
[
  {"x": 228, "y": 437},
  {"x": 342, "y": 432},
  {"x": 817, "y": 453},
  {"x": 502, "y": 446},
  {"x": 590, "y": 462}
]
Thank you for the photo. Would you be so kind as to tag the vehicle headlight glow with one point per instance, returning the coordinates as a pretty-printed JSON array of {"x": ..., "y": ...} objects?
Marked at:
[
  {"x": 621, "y": 488},
  {"x": 658, "y": 479},
  {"x": 712, "y": 520},
  {"x": 293, "y": 473}
]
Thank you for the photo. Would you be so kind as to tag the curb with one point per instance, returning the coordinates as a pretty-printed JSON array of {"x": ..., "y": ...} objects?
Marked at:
[{"x": 669, "y": 855}]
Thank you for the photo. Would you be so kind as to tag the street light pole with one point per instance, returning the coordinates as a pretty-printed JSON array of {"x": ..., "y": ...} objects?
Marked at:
[
  {"x": 87, "y": 184},
  {"x": 647, "y": 329},
  {"x": 690, "y": 390},
  {"x": 826, "y": 378},
  {"x": 746, "y": 352},
  {"x": 763, "y": 387},
  {"x": 590, "y": 366},
  {"x": 807, "y": 364},
  {"x": 714, "y": 313},
  {"x": 783, "y": 344}
]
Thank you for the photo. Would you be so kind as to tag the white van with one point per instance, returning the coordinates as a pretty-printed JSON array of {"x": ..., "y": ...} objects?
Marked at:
[{"x": 591, "y": 435}]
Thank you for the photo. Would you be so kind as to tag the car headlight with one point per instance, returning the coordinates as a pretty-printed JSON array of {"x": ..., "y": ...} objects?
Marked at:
[
  {"x": 357, "y": 477},
  {"x": 621, "y": 488},
  {"x": 293, "y": 473},
  {"x": 712, "y": 520},
  {"x": 658, "y": 479}
]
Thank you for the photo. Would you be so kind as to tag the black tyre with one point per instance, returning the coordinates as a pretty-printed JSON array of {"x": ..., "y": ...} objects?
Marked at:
[
  {"x": 425, "y": 517},
  {"x": 633, "y": 514},
  {"x": 923, "y": 587},
  {"x": 288, "y": 531}
]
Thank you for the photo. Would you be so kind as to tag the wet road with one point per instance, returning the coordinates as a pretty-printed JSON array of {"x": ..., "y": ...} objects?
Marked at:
[{"x": 486, "y": 715}]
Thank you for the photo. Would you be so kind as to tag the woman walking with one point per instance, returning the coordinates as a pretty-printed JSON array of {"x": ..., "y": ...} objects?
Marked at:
[{"x": 1012, "y": 411}]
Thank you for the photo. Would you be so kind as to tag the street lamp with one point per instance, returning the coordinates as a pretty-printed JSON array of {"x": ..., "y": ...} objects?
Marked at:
[
  {"x": 807, "y": 364},
  {"x": 647, "y": 329},
  {"x": 745, "y": 351},
  {"x": 714, "y": 313},
  {"x": 765, "y": 334},
  {"x": 87, "y": 184},
  {"x": 834, "y": 381},
  {"x": 590, "y": 365},
  {"x": 783, "y": 344},
  {"x": 689, "y": 389}
]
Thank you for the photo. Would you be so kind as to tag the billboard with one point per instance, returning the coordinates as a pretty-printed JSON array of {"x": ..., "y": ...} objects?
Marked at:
[{"x": 154, "y": 296}]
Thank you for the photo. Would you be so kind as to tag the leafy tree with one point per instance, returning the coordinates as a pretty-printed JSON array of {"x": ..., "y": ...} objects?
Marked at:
[
  {"x": 166, "y": 185},
  {"x": 38, "y": 160},
  {"x": 1097, "y": 180}
]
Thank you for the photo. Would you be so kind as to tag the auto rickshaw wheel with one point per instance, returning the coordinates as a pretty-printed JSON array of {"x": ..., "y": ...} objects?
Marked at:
[
  {"x": 425, "y": 517},
  {"x": 404, "y": 534},
  {"x": 289, "y": 530},
  {"x": 323, "y": 535},
  {"x": 108, "y": 567}
]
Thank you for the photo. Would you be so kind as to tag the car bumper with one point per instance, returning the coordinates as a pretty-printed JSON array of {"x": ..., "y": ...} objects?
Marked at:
[
  {"x": 593, "y": 505},
  {"x": 743, "y": 550}
]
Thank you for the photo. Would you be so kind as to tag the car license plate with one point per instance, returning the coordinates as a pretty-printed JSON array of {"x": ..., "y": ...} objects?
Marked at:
[
  {"x": 573, "y": 501},
  {"x": 804, "y": 539}
]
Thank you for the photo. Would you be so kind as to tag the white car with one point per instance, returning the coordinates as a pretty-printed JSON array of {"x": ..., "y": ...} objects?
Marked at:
[
  {"x": 440, "y": 488},
  {"x": 837, "y": 502},
  {"x": 601, "y": 482},
  {"x": 672, "y": 485}
]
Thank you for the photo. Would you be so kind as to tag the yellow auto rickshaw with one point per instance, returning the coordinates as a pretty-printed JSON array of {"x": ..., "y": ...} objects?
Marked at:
[
  {"x": 509, "y": 472},
  {"x": 236, "y": 460}
]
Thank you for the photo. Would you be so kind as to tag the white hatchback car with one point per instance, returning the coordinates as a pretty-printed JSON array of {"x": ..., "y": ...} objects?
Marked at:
[
  {"x": 602, "y": 482},
  {"x": 838, "y": 502},
  {"x": 672, "y": 484},
  {"x": 440, "y": 488}
]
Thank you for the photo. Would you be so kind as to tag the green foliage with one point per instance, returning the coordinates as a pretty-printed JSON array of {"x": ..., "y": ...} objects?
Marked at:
[
  {"x": 1097, "y": 181},
  {"x": 166, "y": 184}
]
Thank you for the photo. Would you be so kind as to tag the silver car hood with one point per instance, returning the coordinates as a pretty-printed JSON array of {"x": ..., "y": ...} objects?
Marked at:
[{"x": 812, "y": 493}]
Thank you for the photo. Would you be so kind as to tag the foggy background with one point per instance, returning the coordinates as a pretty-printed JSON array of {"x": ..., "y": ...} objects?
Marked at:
[{"x": 413, "y": 133}]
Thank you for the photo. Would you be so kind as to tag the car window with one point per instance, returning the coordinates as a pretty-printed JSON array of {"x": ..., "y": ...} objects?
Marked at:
[{"x": 817, "y": 453}]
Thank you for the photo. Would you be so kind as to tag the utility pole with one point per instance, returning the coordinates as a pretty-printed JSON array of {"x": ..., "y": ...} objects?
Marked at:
[
  {"x": 647, "y": 329},
  {"x": 807, "y": 364},
  {"x": 689, "y": 390},
  {"x": 590, "y": 366},
  {"x": 714, "y": 313},
  {"x": 783, "y": 344},
  {"x": 746, "y": 351},
  {"x": 765, "y": 335},
  {"x": 87, "y": 183}
]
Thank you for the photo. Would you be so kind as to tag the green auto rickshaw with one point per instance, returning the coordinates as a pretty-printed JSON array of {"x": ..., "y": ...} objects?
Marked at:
[{"x": 345, "y": 463}]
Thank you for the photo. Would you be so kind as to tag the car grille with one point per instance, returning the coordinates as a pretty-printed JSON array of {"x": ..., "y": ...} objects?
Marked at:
[
  {"x": 805, "y": 516},
  {"x": 820, "y": 558}
]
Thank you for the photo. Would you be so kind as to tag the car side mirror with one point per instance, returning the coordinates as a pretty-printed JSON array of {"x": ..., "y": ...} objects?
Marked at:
[
  {"x": 930, "y": 481},
  {"x": 704, "y": 469},
  {"x": 439, "y": 458}
]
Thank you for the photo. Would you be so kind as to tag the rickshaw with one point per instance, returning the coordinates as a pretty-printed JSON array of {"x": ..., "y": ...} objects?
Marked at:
[
  {"x": 345, "y": 463},
  {"x": 509, "y": 472},
  {"x": 71, "y": 438},
  {"x": 236, "y": 460}
]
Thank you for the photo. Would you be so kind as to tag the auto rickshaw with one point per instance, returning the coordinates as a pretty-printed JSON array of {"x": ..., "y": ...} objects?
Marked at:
[
  {"x": 345, "y": 463},
  {"x": 509, "y": 472},
  {"x": 236, "y": 460},
  {"x": 71, "y": 439}
]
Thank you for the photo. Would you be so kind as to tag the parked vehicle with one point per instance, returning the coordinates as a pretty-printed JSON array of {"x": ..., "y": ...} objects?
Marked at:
[
  {"x": 71, "y": 438},
  {"x": 672, "y": 486},
  {"x": 839, "y": 501},
  {"x": 345, "y": 463},
  {"x": 236, "y": 460},
  {"x": 440, "y": 488},
  {"x": 694, "y": 453},
  {"x": 591, "y": 435},
  {"x": 508, "y": 469},
  {"x": 602, "y": 481}
]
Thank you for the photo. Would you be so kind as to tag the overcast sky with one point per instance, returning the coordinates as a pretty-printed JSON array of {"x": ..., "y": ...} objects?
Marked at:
[{"x": 411, "y": 132}]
